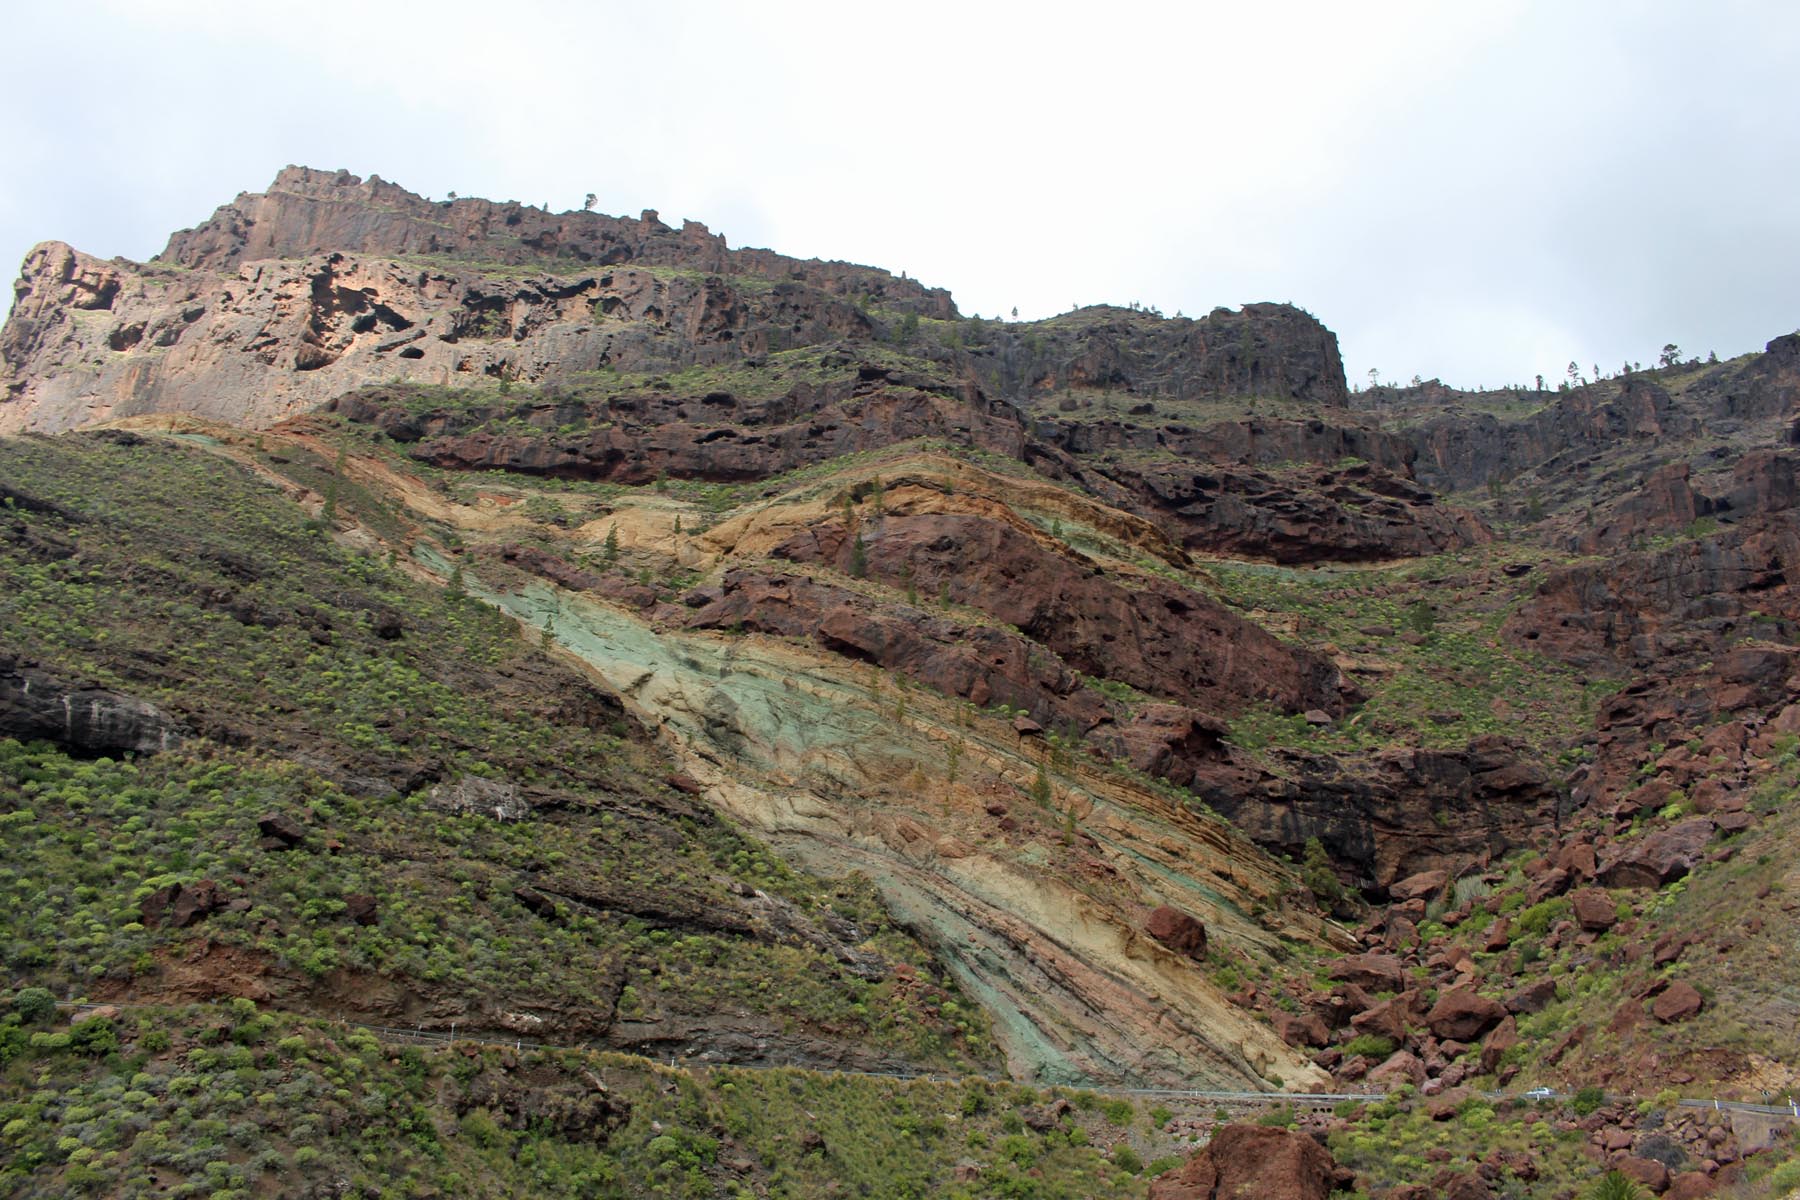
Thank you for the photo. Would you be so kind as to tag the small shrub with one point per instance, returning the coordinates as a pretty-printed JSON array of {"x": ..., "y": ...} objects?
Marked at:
[
  {"x": 1369, "y": 1045},
  {"x": 1588, "y": 1099}
]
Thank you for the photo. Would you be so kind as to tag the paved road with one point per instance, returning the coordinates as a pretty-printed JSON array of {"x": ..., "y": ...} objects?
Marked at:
[{"x": 1303, "y": 1099}]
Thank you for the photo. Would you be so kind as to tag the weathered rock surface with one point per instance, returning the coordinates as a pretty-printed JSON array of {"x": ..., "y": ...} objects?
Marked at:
[
  {"x": 327, "y": 282},
  {"x": 1261, "y": 350},
  {"x": 1177, "y": 930},
  {"x": 1255, "y": 1160},
  {"x": 83, "y": 720},
  {"x": 1157, "y": 636},
  {"x": 1396, "y": 813},
  {"x": 1659, "y": 858},
  {"x": 638, "y": 437},
  {"x": 1464, "y": 1015},
  {"x": 1316, "y": 514},
  {"x": 1679, "y": 1001}
]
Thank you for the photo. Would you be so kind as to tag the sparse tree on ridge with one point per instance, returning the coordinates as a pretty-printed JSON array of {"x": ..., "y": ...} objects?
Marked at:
[
  {"x": 587, "y": 205},
  {"x": 1671, "y": 354}
]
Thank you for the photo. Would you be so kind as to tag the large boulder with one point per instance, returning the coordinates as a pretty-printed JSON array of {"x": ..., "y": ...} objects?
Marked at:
[
  {"x": 1594, "y": 909},
  {"x": 1422, "y": 886},
  {"x": 82, "y": 720},
  {"x": 1464, "y": 1015},
  {"x": 1376, "y": 972},
  {"x": 1679, "y": 1001},
  {"x": 1663, "y": 857},
  {"x": 1255, "y": 1160},
  {"x": 1178, "y": 931}
]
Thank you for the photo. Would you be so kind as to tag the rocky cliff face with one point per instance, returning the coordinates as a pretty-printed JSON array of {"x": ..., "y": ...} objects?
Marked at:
[{"x": 326, "y": 282}]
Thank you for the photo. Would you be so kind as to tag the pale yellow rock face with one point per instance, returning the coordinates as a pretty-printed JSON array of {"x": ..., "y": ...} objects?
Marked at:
[{"x": 277, "y": 337}]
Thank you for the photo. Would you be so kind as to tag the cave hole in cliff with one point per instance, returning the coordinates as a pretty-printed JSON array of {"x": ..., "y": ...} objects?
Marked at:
[{"x": 412, "y": 352}]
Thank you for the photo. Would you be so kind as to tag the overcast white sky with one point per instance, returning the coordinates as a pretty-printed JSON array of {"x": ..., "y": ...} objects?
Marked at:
[{"x": 1475, "y": 191}]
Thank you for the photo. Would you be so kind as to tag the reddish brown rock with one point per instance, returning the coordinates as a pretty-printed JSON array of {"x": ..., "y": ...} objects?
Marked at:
[
  {"x": 361, "y": 908},
  {"x": 1401, "y": 1067},
  {"x": 1668, "y": 948},
  {"x": 1169, "y": 741},
  {"x": 1184, "y": 645},
  {"x": 1307, "y": 1029},
  {"x": 1388, "y": 1019},
  {"x": 1375, "y": 972},
  {"x": 1594, "y": 909},
  {"x": 1662, "y": 857},
  {"x": 1254, "y": 1160},
  {"x": 1577, "y": 859},
  {"x": 1533, "y": 997},
  {"x": 1463, "y": 1014},
  {"x": 1690, "y": 1185},
  {"x": 1500, "y": 1039},
  {"x": 1443, "y": 1106},
  {"x": 1646, "y": 1171},
  {"x": 1178, "y": 931},
  {"x": 181, "y": 905},
  {"x": 1422, "y": 886},
  {"x": 1679, "y": 1001},
  {"x": 1499, "y": 936}
]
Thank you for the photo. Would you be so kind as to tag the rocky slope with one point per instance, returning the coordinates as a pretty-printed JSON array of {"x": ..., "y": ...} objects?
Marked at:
[{"x": 1111, "y": 699}]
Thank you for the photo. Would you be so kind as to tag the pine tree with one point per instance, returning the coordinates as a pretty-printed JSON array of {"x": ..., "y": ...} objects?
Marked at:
[
  {"x": 859, "y": 558},
  {"x": 610, "y": 553}
]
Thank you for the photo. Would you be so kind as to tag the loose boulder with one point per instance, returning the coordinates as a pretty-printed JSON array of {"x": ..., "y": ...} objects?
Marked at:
[
  {"x": 1464, "y": 1015},
  {"x": 1594, "y": 909},
  {"x": 1178, "y": 931},
  {"x": 1679, "y": 1001},
  {"x": 1376, "y": 972},
  {"x": 1663, "y": 857},
  {"x": 1255, "y": 1160}
]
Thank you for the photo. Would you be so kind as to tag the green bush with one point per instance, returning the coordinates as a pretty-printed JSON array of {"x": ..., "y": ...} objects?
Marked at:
[
  {"x": 34, "y": 1004},
  {"x": 1369, "y": 1045},
  {"x": 1588, "y": 1099},
  {"x": 1615, "y": 1185}
]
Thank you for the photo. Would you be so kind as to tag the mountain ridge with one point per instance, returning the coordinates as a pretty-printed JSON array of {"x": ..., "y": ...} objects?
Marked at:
[{"x": 1116, "y": 696}]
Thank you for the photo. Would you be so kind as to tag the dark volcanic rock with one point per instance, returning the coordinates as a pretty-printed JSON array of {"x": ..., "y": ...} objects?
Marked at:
[
  {"x": 637, "y": 438},
  {"x": 82, "y": 720},
  {"x": 1315, "y": 515},
  {"x": 1400, "y": 812},
  {"x": 984, "y": 665},
  {"x": 1261, "y": 350},
  {"x": 178, "y": 906},
  {"x": 281, "y": 829}
]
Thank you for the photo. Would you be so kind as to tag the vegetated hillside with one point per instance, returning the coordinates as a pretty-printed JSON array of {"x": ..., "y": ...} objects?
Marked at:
[{"x": 1104, "y": 700}]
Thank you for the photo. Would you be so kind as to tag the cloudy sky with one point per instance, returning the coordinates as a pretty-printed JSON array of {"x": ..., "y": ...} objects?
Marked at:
[{"x": 1477, "y": 192}]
